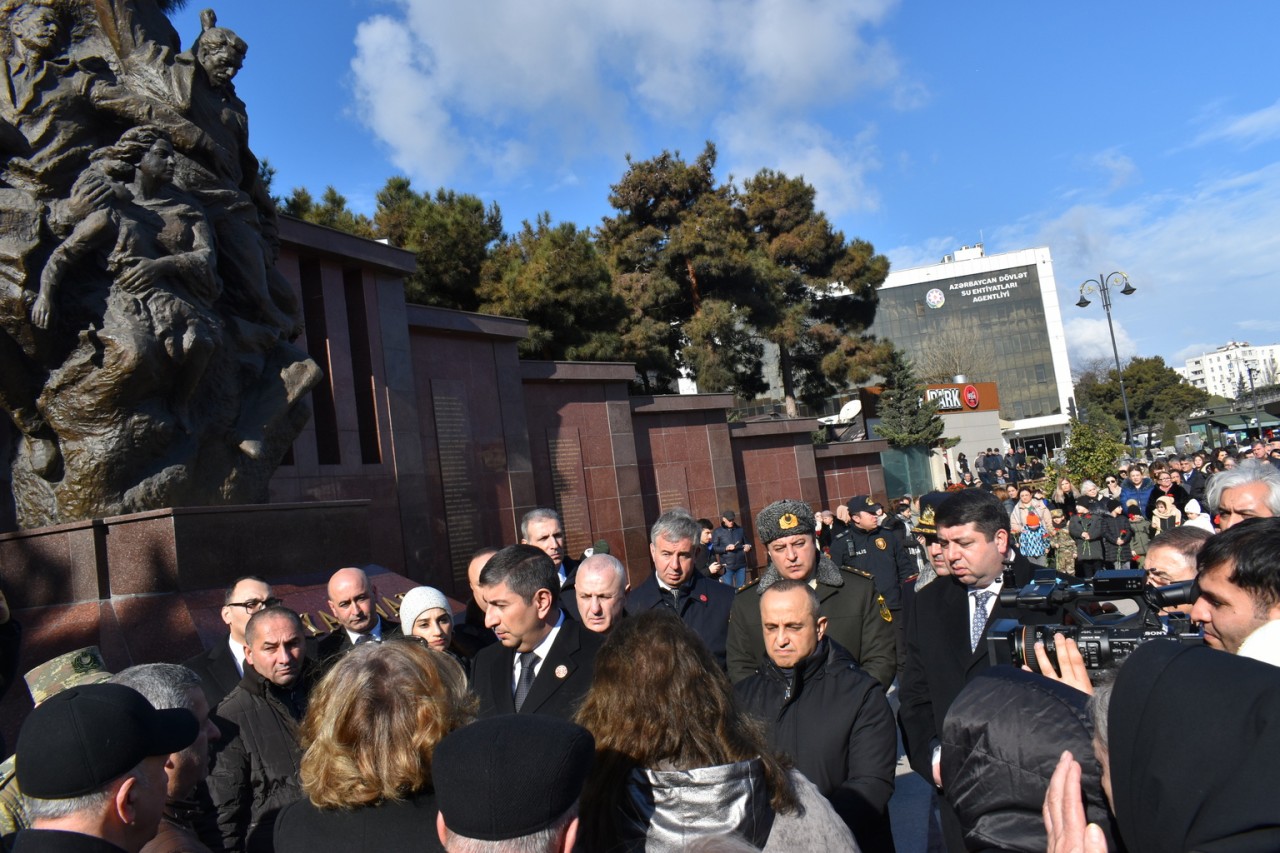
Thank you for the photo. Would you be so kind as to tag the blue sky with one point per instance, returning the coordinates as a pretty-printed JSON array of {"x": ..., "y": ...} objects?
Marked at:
[{"x": 1142, "y": 136}]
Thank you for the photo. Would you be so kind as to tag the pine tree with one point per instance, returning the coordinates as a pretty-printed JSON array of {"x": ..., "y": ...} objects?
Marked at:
[{"x": 906, "y": 418}]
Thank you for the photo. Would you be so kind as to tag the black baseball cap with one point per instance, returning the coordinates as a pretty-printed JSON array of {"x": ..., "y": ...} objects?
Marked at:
[
  {"x": 863, "y": 503},
  {"x": 79, "y": 740},
  {"x": 510, "y": 776}
]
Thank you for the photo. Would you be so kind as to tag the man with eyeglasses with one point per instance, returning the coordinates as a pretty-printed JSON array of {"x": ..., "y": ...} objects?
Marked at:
[{"x": 221, "y": 667}]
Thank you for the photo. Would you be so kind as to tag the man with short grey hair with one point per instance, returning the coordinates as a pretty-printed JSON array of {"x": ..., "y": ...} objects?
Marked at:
[
  {"x": 1250, "y": 490},
  {"x": 165, "y": 686},
  {"x": 701, "y": 602},
  {"x": 602, "y": 589},
  {"x": 542, "y": 528},
  {"x": 91, "y": 762}
]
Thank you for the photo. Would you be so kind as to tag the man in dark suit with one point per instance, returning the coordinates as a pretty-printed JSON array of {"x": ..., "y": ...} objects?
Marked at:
[
  {"x": 544, "y": 660},
  {"x": 543, "y": 529},
  {"x": 221, "y": 667},
  {"x": 352, "y": 598},
  {"x": 701, "y": 602},
  {"x": 945, "y": 634}
]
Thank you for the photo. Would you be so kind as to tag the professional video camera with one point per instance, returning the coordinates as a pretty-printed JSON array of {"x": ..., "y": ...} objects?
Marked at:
[{"x": 1093, "y": 614}]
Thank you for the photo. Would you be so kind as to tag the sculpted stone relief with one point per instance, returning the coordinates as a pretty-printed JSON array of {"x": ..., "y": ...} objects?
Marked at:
[{"x": 146, "y": 337}]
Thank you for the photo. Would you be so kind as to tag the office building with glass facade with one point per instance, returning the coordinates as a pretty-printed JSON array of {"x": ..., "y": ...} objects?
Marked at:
[{"x": 990, "y": 318}]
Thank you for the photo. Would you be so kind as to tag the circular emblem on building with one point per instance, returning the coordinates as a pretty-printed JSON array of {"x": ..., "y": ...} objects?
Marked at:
[
  {"x": 971, "y": 396},
  {"x": 935, "y": 298}
]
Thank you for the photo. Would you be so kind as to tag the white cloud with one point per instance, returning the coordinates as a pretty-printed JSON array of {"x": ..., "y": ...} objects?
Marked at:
[
  {"x": 1089, "y": 340},
  {"x": 1121, "y": 168},
  {"x": 1250, "y": 129},
  {"x": 836, "y": 168},
  {"x": 1191, "y": 351},
  {"x": 505, "y": 86},
  {"x": 931, "y": 251},
  {"x": 1202, "y": 259}
]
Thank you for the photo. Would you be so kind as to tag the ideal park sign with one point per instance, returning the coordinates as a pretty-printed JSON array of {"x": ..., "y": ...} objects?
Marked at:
[{"x": 959, "y": 399}]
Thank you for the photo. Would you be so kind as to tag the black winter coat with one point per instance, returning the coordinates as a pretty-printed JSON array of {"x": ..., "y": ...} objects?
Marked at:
[
  {"x": 255, "y": 771},
  {"x": 389, "y": 826},
  {"x": 835, "y": 723},
  {"x": 1113, "y": 528},
  {"x": 1000, "y": 744},
  {"x": 705, "y": 604}
]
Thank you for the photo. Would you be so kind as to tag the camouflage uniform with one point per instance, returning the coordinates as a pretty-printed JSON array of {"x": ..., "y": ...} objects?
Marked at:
[
  {"x": 83, "y": 666},
  {"x": 1062, "y": 551}
]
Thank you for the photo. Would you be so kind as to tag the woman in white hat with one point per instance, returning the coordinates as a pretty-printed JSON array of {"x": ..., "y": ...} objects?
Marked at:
[{"x": 426, "y": 615}]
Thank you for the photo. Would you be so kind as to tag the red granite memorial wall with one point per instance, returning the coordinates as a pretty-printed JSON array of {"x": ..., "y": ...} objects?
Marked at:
[{"x": 432, "y": 437}]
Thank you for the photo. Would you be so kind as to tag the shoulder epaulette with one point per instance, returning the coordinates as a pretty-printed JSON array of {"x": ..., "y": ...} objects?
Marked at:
[
  {"x": 748, "y": 585},
  {"x": 859, "y": 572}
]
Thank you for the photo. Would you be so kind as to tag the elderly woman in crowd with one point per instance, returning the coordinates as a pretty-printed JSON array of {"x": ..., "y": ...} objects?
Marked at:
[
  {"x": 369, "y": 734},
  {"x": 676, "y": 760}
]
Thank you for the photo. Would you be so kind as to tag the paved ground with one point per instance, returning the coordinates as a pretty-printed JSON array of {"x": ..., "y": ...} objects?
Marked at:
[{"x": 913, "y": 810}]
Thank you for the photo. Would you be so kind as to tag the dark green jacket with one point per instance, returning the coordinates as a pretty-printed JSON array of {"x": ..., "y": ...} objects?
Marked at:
[{"x": 855, "y": 620}]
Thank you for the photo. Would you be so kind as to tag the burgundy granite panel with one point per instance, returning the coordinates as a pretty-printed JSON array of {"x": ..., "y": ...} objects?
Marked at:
[
  {"x": 601, "y": 483},
  {"x": 142, "y": 553},
  {"x": 623, "y": 448},
  {"x": 606, "y": 515},
  {"x": 597, "y": 448},
  {"x": 637, "y": 560},
  {"x": 53, "y": 565},
  {"x": 628, "y": 480}
]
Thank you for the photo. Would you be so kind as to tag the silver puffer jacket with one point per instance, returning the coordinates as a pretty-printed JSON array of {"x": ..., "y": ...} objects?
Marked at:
[{"x": 666, "y": 809}]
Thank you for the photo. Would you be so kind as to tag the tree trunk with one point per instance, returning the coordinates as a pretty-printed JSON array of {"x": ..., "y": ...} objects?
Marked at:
[
  {"x": 788, "y": 383},
  {"x": 693, "y": 285}
]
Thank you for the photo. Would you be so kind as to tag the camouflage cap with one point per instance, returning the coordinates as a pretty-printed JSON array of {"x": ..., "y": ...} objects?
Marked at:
[
  {"x": 83, "y": 666},
  {"x": 929, "y": 502},
  {"x": 785, "y": 518}
]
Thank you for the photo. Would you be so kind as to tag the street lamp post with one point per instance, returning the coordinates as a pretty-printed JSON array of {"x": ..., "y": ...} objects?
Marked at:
[{"x": 1102, "y": 284}]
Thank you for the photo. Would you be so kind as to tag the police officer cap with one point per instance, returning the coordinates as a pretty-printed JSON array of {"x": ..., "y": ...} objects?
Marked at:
[
  {"x": 928, "y": 507},
  {"x": 863, "y": 503},
  {"x": 784, "y": 518},
  {"x": 510, "y": 776},
  {"x": 84, "y": 737}
]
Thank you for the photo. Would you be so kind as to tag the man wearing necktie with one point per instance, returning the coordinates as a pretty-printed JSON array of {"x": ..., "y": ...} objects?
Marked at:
[
  {"x": 544, "y": 659},
  {"x": 946, "y": 628},
  {"x": 352, "y": 601}
]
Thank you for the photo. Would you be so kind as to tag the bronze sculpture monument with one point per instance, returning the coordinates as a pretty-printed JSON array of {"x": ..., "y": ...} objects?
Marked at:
[{"x": 146, "y": 353}]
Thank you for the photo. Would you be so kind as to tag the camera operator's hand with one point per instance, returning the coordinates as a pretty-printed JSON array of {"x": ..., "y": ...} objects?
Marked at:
[
  {"x": 1064, "y": 819},
  {"x": 1073, "y": 671}
]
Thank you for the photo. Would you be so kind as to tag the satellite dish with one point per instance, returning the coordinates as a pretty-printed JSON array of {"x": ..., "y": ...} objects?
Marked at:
[{"x": 848, "y": 413}]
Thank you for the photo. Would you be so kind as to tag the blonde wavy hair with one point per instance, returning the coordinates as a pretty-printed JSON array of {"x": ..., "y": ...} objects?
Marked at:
[{"x": 374, "y": 722}]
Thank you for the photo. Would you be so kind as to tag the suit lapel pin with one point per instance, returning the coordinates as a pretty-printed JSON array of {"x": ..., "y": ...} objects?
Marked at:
[{"x": 562, "y": 671}]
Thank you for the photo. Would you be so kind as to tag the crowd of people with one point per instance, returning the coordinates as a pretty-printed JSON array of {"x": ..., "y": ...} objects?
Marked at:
[{"x": 699, "y": 710}]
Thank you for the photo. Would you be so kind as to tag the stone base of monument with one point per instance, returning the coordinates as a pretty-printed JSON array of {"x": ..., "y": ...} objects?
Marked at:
[{"x": 149, "y": 586}]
